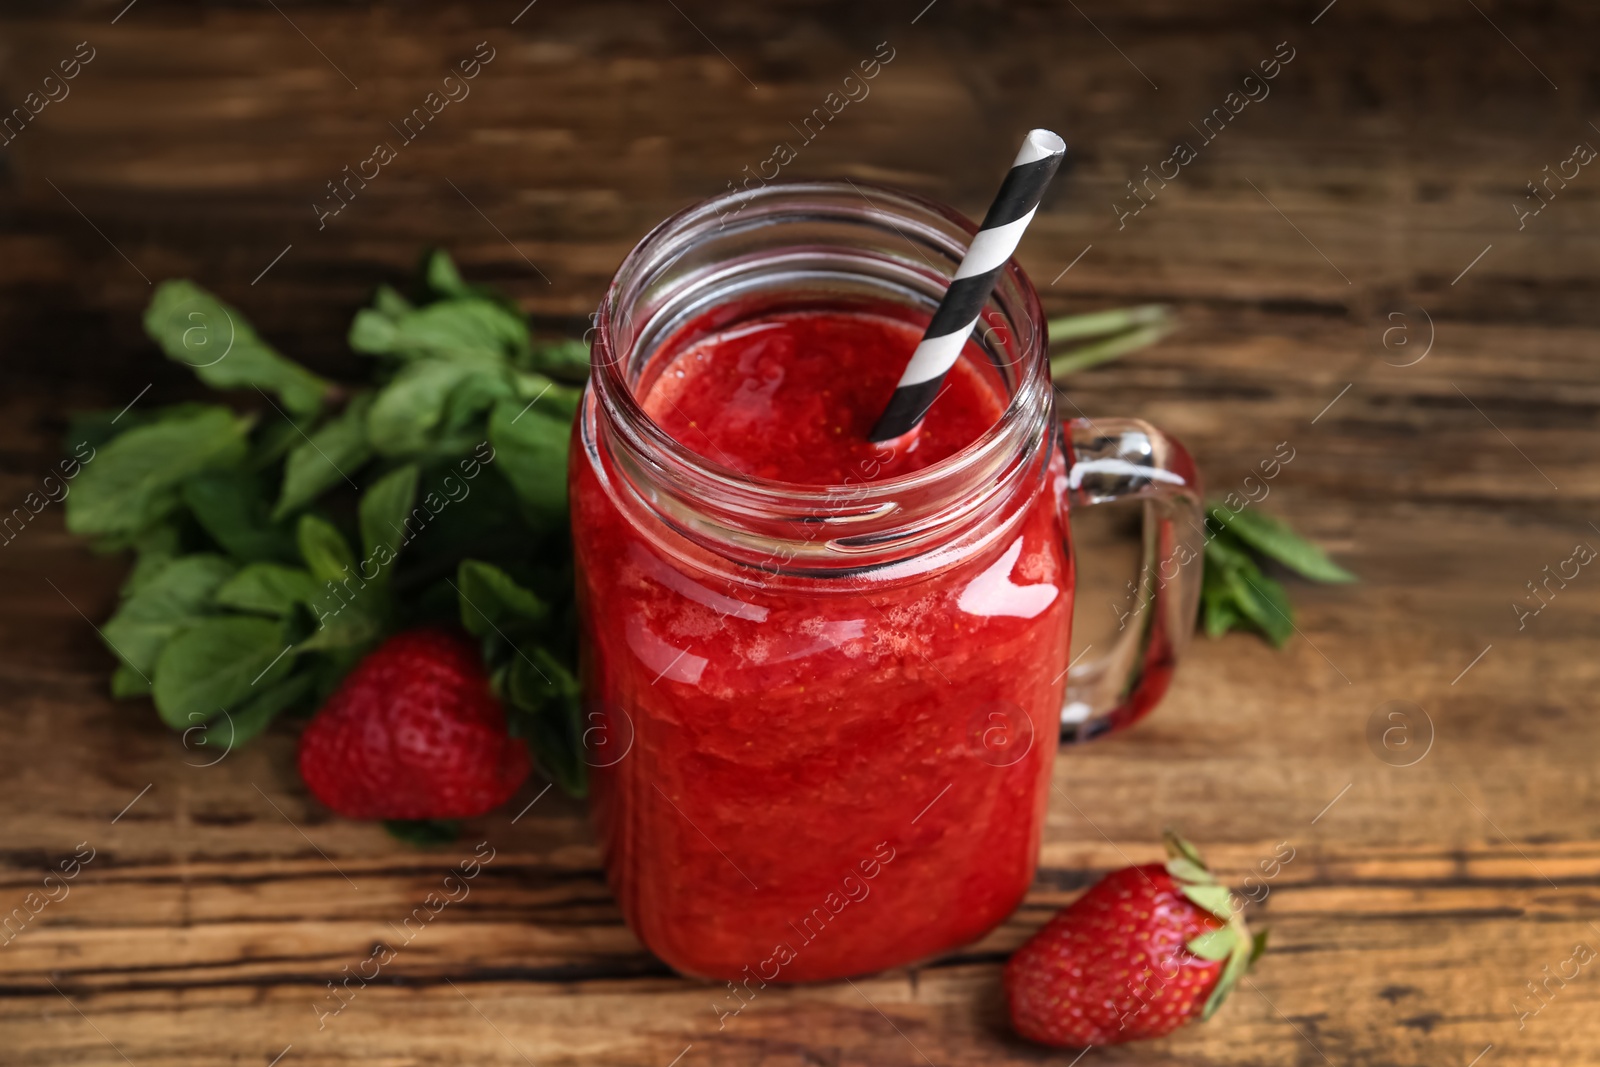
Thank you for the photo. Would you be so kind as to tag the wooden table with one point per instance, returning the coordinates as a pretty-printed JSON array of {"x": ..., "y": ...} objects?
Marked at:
[{"x": 1368, "y": 200}]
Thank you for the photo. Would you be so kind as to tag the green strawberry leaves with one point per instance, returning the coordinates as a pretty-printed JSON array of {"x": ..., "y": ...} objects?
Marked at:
[
  {"x": 1217, "y": 899},
  {"x": 1232, "y": 941},
  {"x": 1258, "y": 946},
  {"x": 1239, "y": 960},
  {"x": 1178, "y": 848},
  {"x": 1195, "y": 881},
  {"x": 1186, "y": 870},
  {"x": 1214, "y": 944}
]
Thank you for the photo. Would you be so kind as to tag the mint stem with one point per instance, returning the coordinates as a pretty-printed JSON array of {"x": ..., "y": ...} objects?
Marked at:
[
  {"x": 1100, "y": 323},
  {"x": 1084, "y": 356}
]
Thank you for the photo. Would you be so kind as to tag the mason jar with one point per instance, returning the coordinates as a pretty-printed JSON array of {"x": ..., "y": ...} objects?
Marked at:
[{"x": 829, "y": 714}]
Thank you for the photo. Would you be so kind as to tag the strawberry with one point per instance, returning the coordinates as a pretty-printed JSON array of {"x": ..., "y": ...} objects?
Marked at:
[
  {"x": 414, "y": 732},
  {"x": 1145, "y": 950}
]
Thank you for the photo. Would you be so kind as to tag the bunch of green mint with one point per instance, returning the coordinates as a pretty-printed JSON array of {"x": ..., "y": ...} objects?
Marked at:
[
  {"x": 275, "y": 549},
  {"x": 1235, "y": 593}
]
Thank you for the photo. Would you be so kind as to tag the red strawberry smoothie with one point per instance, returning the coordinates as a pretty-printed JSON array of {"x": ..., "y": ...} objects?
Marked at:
[{"x": 826, "y": 776}]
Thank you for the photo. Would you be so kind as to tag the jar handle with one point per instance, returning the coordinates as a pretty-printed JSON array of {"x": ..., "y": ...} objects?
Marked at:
[{"x": 1129, "y": 459}]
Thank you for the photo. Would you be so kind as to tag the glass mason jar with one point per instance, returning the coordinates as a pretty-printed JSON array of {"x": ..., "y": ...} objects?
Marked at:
[{"x": 823, "y": 719}]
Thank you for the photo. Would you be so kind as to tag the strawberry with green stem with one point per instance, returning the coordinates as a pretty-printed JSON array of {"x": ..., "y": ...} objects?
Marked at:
[{"x": 1144, "y": 951}]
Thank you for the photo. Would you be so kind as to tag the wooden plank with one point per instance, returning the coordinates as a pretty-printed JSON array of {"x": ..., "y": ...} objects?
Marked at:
[{"x": 1421, "y": 899}]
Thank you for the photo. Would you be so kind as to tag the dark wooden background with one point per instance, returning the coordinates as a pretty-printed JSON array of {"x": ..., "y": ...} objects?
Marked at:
[{"x": 1372, "y": 191}]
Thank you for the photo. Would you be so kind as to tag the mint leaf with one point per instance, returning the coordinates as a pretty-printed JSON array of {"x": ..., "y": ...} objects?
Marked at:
[
  {"x": 388, "y": 302},
  {"x": 384, "y": 508},
  {"x": 329, "y": 456},
  {"x": 374, "y": 331},
  {"x": 171, "y": 599},
  {"x": 218, "y": 344},
  {"x": 1274, "y": 539},
  {"x": 325, "y": 551},
  {"x": 1221, "y": 616},
  {"x": 553, "y": 399},
  {"x": 269, "y": 589},
  {"x": 567, "y": 359},
  {"x": 215, "y": 665},
  {"x": 258, "y": 712},
  {"x": 1226, "y": 552},
  {"x": 274, "y": 437},
  {"x": 127, "y": 684},
  {"x": 409, "y": 409},
  {"x": 440, "y": 275},
  {"x": 230, "y": 507},
  {"x": 132, "y": 482},
  {"x": 349, "y": 628},
  {"x": 87, "y": 431},
  {"x": 466, "y": 330},
  {"x": 545, "y": 708},
  {"x": 1233, "y": 590},
  {"x": 531, "y": 452},
  {"x": 466, "y": 404},
  {"x": 492, "y": 602},
  {"x": 1216, "y": 600},
  {"x": 354, "y": 610},
  {"x": 156, "y": 547},
  {"x": 1263, "y": 601}
]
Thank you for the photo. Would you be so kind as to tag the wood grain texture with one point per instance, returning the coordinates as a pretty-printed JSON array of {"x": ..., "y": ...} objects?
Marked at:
[{"x": 1350, "y": 201}]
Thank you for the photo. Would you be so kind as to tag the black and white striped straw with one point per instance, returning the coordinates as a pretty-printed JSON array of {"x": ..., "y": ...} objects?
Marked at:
[{"x": 969, "y": 290}]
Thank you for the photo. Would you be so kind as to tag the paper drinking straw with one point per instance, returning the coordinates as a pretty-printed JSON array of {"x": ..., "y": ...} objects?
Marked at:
[{"x": 969, "y": 290}]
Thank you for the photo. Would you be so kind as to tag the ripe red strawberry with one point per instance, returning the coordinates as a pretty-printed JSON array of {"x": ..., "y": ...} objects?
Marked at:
[
  {"x": 414, "y": 732},
  {"x": 1145, "y": 950}
]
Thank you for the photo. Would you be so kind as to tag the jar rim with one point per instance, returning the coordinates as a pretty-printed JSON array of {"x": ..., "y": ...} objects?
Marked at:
[{"x": 997, "y": 448}]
